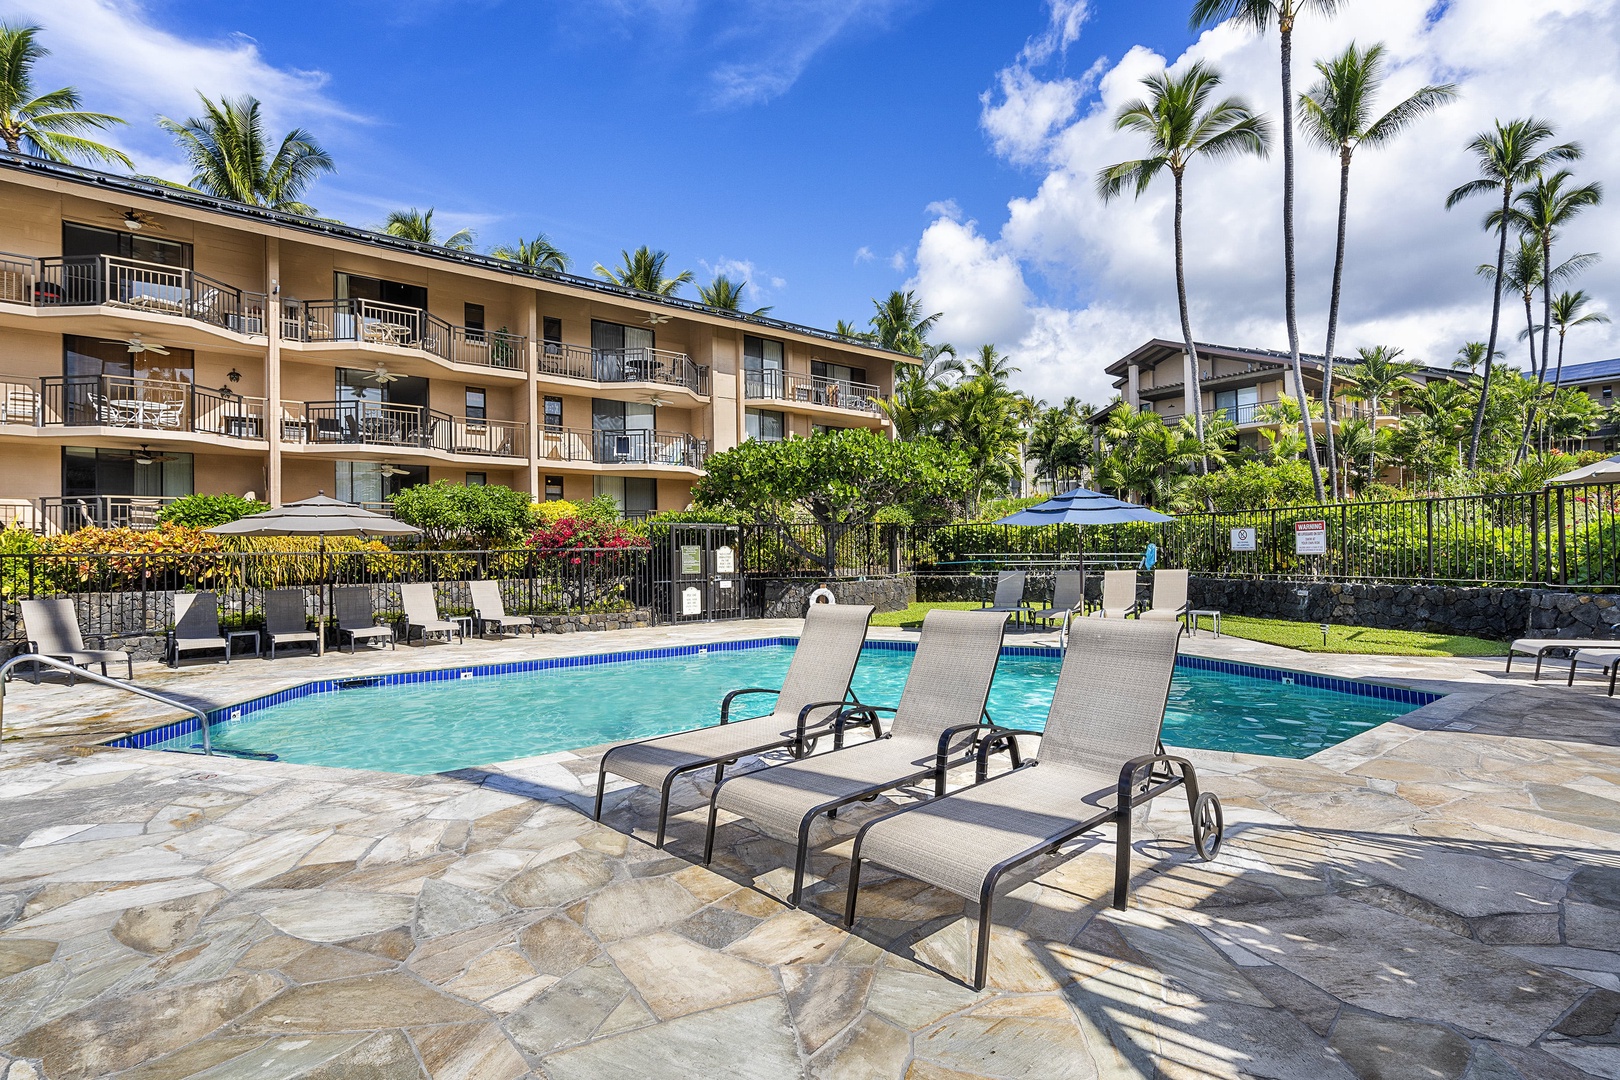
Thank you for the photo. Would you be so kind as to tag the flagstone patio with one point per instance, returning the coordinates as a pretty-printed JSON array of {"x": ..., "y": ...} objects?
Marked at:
[{"x": 1439, "y": 897}]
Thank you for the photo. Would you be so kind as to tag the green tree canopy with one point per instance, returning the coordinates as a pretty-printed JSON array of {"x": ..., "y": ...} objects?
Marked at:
[
  {"x": 206, "y": 511},
  {"x": 537, "y": 254},
  {"x": 459, "y": 513},
  {"x": 417, "y": 225},
  {"x": 725, "y": 294},
  {"x": 836, "y": 480},
  {"x": 645, "y": 269},
  {"x": 231, "y": 158},
  {"x": 50, "y": 124}
]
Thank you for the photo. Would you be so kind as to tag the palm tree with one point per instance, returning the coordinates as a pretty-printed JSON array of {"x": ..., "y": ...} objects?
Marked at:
[
  {"x": 1181, "y": 125},
  {"x": 45, "y": 125},
  {"x": 1377, "y": 374},
  {"x": 1509, "y": 156},
  {"x": 1337, "y": 114},
  {"x": 230, "y": 157},
  {"x": 643, "y": 270},
  {"x": 1521, "y": 276},
  {"x": 726, "y": 295},
  {"x": 1568, "y": 312},
  {"x": 1540, "y": 212},
  {"x": 900, "y": 324},
  {"x": 417, "y": 225},
  {"x": 537, "y": 254},
  {"x": 1470, "y": 356},
  {"x": 847, "y": 329},
  {"x": 1260, "y": 15}
]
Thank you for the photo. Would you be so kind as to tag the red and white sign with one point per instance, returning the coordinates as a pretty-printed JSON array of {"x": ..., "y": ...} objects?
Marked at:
[{"x": 1310, "y": 538}]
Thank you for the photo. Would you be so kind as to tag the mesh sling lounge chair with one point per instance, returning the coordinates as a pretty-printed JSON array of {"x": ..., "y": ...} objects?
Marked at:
[
  {"x": 934, "y": 729},
  {"x": 1169, "y": 596},
  {"x": 196, "y": 626},
  {"x": 52, "y": 629},
  {"x": 1009, "y": 593},
  {"x": 422, "y": 613},
  {"x": 1118, "y": 595},
  {"x": 488, "y": 610},
  {"x": 357, "y": 619},
  {"x": 1542, "y": 648},
  {"x": 813, "y": 693},
  {"x": 286, "y": 620},
  {"x": 1605, "y": 660},
  {"x": 1100, "y": 757},
  {"x": 1068, "y": 594}
]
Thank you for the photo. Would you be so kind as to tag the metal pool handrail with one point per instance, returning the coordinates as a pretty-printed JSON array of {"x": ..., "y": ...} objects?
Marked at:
[{"x": 104, "y": 680}]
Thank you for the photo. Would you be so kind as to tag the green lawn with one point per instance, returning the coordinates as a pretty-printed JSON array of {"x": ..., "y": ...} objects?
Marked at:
[{"x": 1295, "y": 635}]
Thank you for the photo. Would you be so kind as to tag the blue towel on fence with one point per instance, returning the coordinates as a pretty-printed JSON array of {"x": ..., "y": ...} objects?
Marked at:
[{"x": 1150, "y": 557}]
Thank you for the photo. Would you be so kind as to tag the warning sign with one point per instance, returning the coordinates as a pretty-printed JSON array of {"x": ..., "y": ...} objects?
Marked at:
[{"x": 1310, "y": 538}]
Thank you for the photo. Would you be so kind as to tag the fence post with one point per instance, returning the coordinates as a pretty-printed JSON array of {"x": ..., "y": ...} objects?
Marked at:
[
  {"x": 1535, "y": 549},
  {"x": 1563, "y": 561},
  {"x": 1428, "y": 532},
  {"x": 1276, "y": 551},
  {"x": 1344, "y": 540}
]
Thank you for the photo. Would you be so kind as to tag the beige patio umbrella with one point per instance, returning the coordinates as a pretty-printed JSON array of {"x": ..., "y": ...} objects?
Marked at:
[
  {"x": 1606, "y": 471},
  {"x": 319, "y": 517}
]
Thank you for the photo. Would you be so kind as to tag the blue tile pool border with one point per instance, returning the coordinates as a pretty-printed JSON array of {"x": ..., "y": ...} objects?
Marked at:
[{"x": 229, "y": 714}]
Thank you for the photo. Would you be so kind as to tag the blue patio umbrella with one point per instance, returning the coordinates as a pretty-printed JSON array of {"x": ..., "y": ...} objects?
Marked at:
[{"x": 1082, "y": 506}]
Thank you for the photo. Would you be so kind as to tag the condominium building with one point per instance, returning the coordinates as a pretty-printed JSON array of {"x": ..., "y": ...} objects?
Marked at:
[
  {"x": 155, "y": 342},
  {"x": 1598, "y": 380}
]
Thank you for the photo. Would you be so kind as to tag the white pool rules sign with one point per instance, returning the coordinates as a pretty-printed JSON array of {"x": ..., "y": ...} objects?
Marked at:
[
  {"x": 1310, "y": 538},
  {"x": 1243, "y": 539}
]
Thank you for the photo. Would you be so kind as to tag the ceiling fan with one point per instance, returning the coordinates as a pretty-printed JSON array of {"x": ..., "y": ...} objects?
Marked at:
[
  {"x": 136, "y": 220},
  {"x": 657, "y": 401},
  {"x": 655, "y": 318},
  {"x": 136, "y": 345},
  {"x": 393, "y": 470},
  {"x": 145, "y": 456},
  {"x": 381, "y": 374}
]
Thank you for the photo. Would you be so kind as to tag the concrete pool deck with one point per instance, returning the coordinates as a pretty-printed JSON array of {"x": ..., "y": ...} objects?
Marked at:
[{"x": 1438, "y": 897}]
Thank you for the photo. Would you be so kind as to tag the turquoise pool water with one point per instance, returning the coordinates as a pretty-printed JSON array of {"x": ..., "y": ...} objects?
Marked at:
[{"x": 426, "y": 728}]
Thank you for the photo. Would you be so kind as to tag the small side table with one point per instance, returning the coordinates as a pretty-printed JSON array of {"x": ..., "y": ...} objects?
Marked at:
[
  {"x": 466, "y": 622},
  {"x": 232, "y": 635},
  {"x": 1192, "y": 621}
]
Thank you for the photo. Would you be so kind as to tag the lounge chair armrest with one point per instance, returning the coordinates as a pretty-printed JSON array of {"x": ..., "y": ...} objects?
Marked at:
[
  {"x": 993, "y": 738},
  {"x": 1131, "y": 775},
  {"x": 725, "y": 702},
  {"x": 804, "y": 713},
  {"x": 846, "y": 718},
  {"x": 948, "y": 735}
]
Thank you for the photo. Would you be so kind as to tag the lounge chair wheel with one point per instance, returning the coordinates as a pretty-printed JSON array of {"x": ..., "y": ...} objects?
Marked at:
[{"x": 1209, "y": 826}]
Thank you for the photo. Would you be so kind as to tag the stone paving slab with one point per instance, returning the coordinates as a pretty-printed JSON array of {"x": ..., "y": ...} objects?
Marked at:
[{"x": 1438, "y": 897}]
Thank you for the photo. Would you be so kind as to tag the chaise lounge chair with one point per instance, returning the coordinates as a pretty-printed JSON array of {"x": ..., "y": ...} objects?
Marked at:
[
  {"x": 1606, "y": 660},
  {"x": 196, "y": 626},
  {"x": 357, "y": 619},
  {"x": 1169, "y": 597},
  {"x": 488, "y": 610},
  {"x": 1009, "y": 593},
  {"x": 422, "y": 613},
  {"x": 1118, "y": 595},
  {"x": 1100, "y": 757},
  {"x": 286, "y": 620},
  {"x": 52, "y": 629},
  {"x": 813, "y": 693},
  {"x": 1068, "y": 596},
  {"x": 1541, "y": 648},
  {"x": 935, "y": 729}
]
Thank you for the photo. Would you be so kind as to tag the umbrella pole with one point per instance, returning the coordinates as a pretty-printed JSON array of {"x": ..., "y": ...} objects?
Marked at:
[{"x": 320, "y": 605}]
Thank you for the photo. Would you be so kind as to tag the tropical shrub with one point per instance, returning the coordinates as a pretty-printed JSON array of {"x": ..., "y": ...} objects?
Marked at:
[
  {"x": 206, "y": 511},
  {"x": 479, "y": 515},
  {"x": 14, "y": 570}
]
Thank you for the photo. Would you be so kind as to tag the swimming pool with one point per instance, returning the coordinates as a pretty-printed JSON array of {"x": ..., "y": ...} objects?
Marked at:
[{"x": 428, "y": 722}]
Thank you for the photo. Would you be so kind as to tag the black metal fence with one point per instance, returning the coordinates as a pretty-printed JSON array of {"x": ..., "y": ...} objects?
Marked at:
[{"x": 133, "y": 595}]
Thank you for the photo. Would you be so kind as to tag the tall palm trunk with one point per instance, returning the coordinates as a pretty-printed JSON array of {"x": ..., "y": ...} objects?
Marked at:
[
  {"x": 1540, "y": 373},
  {"x": 1372, "y": 441},
  {"x": 1546, "y": 341},
  {"x": 1558, "y": 372},
  {"x": 1496, "y": 324},
  {"x": 1286, "y": 25},
  {"x": 1194, "y": 379},
  {"x": 1333, "y": 325}
]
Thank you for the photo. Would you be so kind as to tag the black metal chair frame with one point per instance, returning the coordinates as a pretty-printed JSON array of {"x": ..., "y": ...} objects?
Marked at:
[{"x": 1141, "y": 780}]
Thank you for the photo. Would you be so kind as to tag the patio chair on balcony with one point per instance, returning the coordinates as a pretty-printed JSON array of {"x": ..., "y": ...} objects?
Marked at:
[
  {"x": 357, "y": 618},
  {"x": 1100, "y": 758},
  {"x": 286, "y": 620},
  {"x": 51, "y": 628},
  {"x": 196, "y": 627},
  {"x": 20, "y": 405}
]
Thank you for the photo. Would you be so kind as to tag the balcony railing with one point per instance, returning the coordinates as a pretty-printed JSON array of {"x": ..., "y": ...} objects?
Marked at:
[
  {"x": 623, "y": 447},
  {"x": 810, "y": 390},
  {"x": 375, "y": 323},
  {"x": 379, "y": 423},
  {"x": 118, "y": 401},
  {"x": 70, "y": 513},
  {"x": 1260, "y": 412},
  {"x": 93, "y": 280},
  {"x": 624, "y": 365}
]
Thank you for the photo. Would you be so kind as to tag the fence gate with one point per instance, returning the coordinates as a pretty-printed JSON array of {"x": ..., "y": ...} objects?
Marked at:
[{"x": 699, "y": 576}]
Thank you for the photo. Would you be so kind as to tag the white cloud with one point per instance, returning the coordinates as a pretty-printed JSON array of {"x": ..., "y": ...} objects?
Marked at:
[
  {"x": 778, "y": 41},
  {"x": 863, "y": 254},
  {"x": 944, "y": 208},
  {"x": 761, "y": 284},
  {"x": 1105, "y": 274},
  {"x": 899, "y": 260},
  {"x": 1029, "y": 108}
]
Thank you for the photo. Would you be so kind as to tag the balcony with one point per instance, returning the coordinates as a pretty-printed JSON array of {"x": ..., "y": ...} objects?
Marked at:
[
  {"x": 116, "y": 401},
  {"x": 793, "y": 387},
  {"x": 71, "y": 513},
  {"x": 407, "y": 427},
  {"x": 1259, "y": 413},
  {"x": 659, "y": 366},
  {"x": 152, "y": 288},
  {"x": 671, "y": 448},
  {"x": 370, "y": 322}
]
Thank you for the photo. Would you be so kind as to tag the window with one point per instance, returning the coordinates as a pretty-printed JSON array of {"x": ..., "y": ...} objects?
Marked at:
[
  {"x": 553, "y": 414},
  {"x": 477, "y": 479},
  {"x": 475, "y": 403},
  {"x": 364, "y": 482},
  {"x": 1239, "y": 404},
  {"x": 554, "y": 488},
  {"x": 837, "y": 372},
  {"x": 551, "y": 335},
  {"x": 473, "y": 319},
  {"x": 1608, "y": 391},
  {"x": 89, "y": 471},
  {"x": 86, "y": 358},
  {"x": 359, "y": 384},
  {"x": 621, "y": 430},
  {"x": 617, "y": 351},
  {"x": 358, "y": 287},
  {"x": 84, "y": 241},
  {"x": 762, "y": 368},
  {"x": 635, "y": 496},
  {"x": 766, "y": 425},
  {"x": 100, "y": 374},
  {"x": 824, "y": 429}
]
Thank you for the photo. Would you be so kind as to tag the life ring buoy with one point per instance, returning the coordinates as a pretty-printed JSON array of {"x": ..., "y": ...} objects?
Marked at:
[{"x": 823, "y": 595}]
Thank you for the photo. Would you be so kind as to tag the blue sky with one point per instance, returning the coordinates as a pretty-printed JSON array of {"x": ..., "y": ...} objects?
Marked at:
[{"x": 787, "y": 136}]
